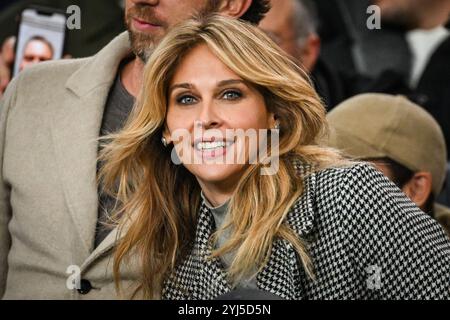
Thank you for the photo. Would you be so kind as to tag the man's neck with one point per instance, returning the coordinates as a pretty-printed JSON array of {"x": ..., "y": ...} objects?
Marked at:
[{"x": 131, "y": 76}]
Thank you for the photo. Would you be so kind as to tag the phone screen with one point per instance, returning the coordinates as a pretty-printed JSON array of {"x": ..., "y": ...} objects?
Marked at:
[{"x": 41, "y": 37}]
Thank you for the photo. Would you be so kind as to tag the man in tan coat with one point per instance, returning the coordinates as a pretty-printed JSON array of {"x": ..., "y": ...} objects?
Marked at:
[{"x": 52, "y": 245}]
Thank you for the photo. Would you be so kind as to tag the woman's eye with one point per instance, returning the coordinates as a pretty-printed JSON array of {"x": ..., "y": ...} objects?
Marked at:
[
  {"x": 232, "y": 95},
  {"x": 186, "y": 100}
]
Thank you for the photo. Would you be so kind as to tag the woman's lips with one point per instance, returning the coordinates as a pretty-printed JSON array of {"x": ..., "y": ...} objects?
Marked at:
[{"x": 212, "y": 149}]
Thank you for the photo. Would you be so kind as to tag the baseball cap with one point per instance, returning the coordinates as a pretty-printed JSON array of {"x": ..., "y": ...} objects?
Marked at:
[{"x": 376, "y": 125}]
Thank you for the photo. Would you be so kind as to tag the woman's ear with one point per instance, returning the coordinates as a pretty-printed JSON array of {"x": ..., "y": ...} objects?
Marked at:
[
  {"x": 234, "y": 8},
  {"x": 419, "y": 188}
]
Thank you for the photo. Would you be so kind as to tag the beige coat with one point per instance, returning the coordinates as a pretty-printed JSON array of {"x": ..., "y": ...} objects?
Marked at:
[{"x": 49, "y": 124}]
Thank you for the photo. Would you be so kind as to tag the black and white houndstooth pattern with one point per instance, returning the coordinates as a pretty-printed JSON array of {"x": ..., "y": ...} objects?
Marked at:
[{"x": 366, "y": 239}]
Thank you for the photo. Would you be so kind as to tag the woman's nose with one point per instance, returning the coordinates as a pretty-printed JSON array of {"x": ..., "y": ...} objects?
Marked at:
[{"x": 208, "y": 116}]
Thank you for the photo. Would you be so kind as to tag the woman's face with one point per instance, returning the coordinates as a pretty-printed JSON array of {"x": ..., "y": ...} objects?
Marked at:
[{"x": 210, "y": 102}]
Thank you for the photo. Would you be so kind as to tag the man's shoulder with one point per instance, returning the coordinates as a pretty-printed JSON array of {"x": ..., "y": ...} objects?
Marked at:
[
  {"x": 79, "y": 75},
  {"x": 53, "y": 71},
  {"x": 44, "y": 86}
]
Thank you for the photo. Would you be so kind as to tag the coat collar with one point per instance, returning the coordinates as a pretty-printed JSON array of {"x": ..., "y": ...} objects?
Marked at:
[
  {"x": 97, "y": 71},
  {"x": 75, "y": 130}
]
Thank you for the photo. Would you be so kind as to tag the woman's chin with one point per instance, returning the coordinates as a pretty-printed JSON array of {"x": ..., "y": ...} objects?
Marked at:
[{"x": 217, "y": 173}]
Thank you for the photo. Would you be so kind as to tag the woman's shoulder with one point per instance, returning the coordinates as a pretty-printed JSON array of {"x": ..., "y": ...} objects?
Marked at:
[
  {"x": 356, "y": 210},
  {"x": 358, "y": 199},
  {"x": 335, "y": 175},
  {"x": 353, "y": 193},
  {"x": 361, "y": 189},
  {"x": 354, "y": 171},
  {"x": 339, "y": 182},
  {"x": 330, "y": 191}
]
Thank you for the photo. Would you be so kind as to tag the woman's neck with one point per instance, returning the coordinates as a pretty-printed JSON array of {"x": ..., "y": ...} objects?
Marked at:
[
  {"x": 216, "y": 199},
  {"x": 216, "y": 195}
]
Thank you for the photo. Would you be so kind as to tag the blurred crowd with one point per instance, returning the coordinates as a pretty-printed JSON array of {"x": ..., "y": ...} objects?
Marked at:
[{"x": 407, "y": 55}]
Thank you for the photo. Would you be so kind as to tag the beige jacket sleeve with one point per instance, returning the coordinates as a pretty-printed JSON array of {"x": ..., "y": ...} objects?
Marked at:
[{"x": 6, "y": 104}]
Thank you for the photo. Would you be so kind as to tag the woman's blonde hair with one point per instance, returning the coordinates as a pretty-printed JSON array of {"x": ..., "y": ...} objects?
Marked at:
[{"x": 158, "y": 201}]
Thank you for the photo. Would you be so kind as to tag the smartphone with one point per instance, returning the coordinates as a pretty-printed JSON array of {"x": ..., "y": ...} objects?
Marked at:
[{"x": 41, "y": 37}]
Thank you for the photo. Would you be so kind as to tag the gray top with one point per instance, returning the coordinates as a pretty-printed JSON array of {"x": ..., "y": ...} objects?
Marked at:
[
  {"x": 219, "y": 214},
  {"x": 117, "y": 108}
]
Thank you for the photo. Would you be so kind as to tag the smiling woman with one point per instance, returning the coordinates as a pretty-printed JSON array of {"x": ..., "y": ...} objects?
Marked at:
[
  {"x": 310, "y": 230},
  {"x": 204, "y": 93}
]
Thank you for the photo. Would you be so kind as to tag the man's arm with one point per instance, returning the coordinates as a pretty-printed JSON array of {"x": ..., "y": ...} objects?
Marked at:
[{"x": 5, "y": 207}]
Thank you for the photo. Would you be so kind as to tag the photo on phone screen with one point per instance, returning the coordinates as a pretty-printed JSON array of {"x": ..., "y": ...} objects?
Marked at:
[{"x": 40, "y": 38}]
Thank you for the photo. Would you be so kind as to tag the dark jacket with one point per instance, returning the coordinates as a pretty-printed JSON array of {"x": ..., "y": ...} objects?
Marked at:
[
  {"x": 366, "y": 239},
  {"x": 433, "y": 89}
]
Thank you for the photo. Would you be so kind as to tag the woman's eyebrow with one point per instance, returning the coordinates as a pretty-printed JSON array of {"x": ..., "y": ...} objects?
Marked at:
[
  {"x": 181, "y": 85},
  {"x": 224, "y": 83}
]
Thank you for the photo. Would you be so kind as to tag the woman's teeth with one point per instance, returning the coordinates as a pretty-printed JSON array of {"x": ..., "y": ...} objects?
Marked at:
[{"x": 212, "y": 145}]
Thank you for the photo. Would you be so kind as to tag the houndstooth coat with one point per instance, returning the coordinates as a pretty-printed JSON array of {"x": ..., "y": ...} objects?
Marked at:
[{"x": 366, "y": 239}]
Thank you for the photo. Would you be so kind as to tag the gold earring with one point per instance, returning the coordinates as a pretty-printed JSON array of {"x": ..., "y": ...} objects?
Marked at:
[{"x": 164, "y": 142}]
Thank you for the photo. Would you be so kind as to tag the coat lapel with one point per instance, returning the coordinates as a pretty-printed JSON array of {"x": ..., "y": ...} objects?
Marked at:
[
  {"x": 284, "y": 275},
  {"x": 75, "y": 131},
  {"x": 105, "y": 246},
  {"x": 198, "y": 277}
]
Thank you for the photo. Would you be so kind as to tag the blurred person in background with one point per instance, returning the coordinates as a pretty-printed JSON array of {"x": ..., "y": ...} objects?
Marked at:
[
  {"x": 293, "y": 25},
  {"x": 36, "y": 50},
  {"x": 408, "y": 55},
  {"x": 401, "y": 139},
  {"x": 353, "y": 48},
  {"x": 423, "y": 22}
]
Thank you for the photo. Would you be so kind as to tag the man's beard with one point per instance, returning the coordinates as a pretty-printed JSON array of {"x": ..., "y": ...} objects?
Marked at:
[{"x": 143, "y": 44}]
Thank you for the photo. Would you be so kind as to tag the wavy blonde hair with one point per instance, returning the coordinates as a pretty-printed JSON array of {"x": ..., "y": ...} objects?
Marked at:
[{"x": 158, "y": 201}]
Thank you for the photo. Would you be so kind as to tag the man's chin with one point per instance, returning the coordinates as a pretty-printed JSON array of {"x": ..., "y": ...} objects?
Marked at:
[{"x": 141, "y": 45}]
